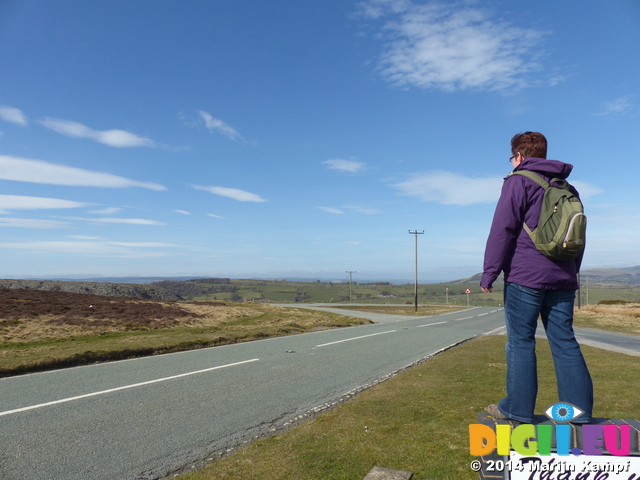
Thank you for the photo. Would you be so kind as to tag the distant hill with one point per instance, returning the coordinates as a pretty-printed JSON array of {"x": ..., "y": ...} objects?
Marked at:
[
  {"x": 173, "y": 288},
  {"x": 628, "y": 276},
  {"x": 148, "y": 292},
  {"x": 612, "y": 276},
  {"x": 475, "y": 280},
  {"x": 139, "y": 280}
]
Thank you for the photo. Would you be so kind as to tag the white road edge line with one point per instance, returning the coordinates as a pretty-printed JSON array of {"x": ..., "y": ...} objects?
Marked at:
[
  {"x": 496, "y": 331},
  {"x": 459, "y": 319},
  {"x": 482, "y": 314},
  {"x": 430, "y": 324},
  {"x": 125, "y": 387},
  {"x": 356, "y": 338}
]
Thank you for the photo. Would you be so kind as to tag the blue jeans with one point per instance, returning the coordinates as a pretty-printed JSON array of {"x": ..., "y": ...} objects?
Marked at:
[{"x": 522, "y": 306}]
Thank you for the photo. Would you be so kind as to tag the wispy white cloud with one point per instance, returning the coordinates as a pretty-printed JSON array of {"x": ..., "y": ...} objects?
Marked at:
[
  {"x": 20, "y": 202},
  {"x": 113, "y": 138},
  {"x": 124, "y": 221},
  {"x": 619, "y": 106},
  {"x": 84, "y": 237},
  {"x": 351, "y": 166},
  {"x": 38, "y": 171},
  {"x": 233, "y": 193},
  {"x": 453, "y": 46},
  {"x": 363, "y": 210},
  {"x": 106, "y": 211},
  {"x": 93, "y": 248},
  {"x": 215, "y": 125},
  {"x": 32, "y": 223},
  {"x": 214, "y": 216},
  {"x": 127, "y": 221},
  {"x": 145, "y": 244},
  {"x": 182, "y": 212},
  {"x": 13, "y": 115},
  {"x": 586, "y": 189},
  {"x": 353, "y": 208},
  {"x": 331, "y": 210},
  {"x": 449, "y": 188}
]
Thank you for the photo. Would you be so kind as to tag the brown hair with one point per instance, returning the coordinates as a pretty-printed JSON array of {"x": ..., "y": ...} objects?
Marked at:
[{"x": 529, "y": 144}]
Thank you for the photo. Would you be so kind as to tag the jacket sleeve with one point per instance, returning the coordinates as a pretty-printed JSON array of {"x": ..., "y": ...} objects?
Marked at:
[{"x": 505, "y": 228}]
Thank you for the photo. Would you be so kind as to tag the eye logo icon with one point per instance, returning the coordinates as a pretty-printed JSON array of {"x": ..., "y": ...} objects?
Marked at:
[{"x": 563, "y": 412}]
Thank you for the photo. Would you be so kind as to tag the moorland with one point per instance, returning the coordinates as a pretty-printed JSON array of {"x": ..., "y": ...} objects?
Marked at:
[
  {"x": 57, "y": 327},
  {"x": 596, "y": 285},
  {"x": 395, "y": 422},
  {"x": 47, "y": 324}
]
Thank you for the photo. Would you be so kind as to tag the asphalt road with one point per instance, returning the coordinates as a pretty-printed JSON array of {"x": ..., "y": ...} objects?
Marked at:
[{"x": 150, "y": 417}]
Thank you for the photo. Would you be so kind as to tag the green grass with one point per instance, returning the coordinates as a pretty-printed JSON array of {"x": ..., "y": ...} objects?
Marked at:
[
  {"x": 418, "y": 421},
  {"x": 327, "y": 292},
  {"x": 283, "y": 291},
  {"x": 252, "y": 323},
  {"x": 19, "y": 358},
  {"x": 402, "y": 309}
]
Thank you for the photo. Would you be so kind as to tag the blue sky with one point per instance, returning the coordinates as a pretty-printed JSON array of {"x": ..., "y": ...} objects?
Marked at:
[{"x": 303, "y": 138}]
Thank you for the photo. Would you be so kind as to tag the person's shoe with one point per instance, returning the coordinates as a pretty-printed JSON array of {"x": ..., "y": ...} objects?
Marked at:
[{"x": 495, "y": 412}]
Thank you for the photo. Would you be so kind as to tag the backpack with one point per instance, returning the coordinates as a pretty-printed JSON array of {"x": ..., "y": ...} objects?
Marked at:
[{"x": 562, "y": 226}]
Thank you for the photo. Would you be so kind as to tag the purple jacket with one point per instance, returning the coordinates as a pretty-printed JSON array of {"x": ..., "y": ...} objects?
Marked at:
[{"x": 509, "y": 247}]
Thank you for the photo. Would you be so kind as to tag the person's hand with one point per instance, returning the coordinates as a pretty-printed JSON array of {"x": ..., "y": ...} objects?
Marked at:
[{"x": 487, "y": 290}]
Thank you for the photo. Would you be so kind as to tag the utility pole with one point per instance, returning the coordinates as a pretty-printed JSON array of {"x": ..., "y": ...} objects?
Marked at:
[
  {"x": 579, "y": 291},
  {"x": 415, "y": 234},
  {"x": 350, "y": 272},
  {"x": 587, "y": 291}
]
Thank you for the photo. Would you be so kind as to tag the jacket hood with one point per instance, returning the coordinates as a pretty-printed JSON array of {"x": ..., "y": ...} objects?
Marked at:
[{"x": 548, "y": 168}]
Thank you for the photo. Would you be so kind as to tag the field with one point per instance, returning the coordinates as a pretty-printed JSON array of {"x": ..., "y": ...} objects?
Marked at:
[
  {"x": 407, "y": 423},
  {"x": 43, "y": 330},
  {"x": 619, "y": 318},
  {"x": 283, "y": 291}
]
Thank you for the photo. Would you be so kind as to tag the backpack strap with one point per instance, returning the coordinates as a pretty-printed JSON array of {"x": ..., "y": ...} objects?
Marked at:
[
  {"x": 536, "y": 178},
  {"x": 533, "y": 176},
  {"x": 562, "y": 183}
]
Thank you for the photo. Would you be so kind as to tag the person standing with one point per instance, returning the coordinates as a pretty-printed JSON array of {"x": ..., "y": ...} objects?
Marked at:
[{"x": 535, "y": 286}]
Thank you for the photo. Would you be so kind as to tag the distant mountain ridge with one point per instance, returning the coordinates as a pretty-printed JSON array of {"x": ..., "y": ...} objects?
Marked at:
[
  {"x": 612, "y": 276},
  {"x": 110, "y": 289},
  {"x": 627, "y": 276},
  {"x": 139, "y": 286}
]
